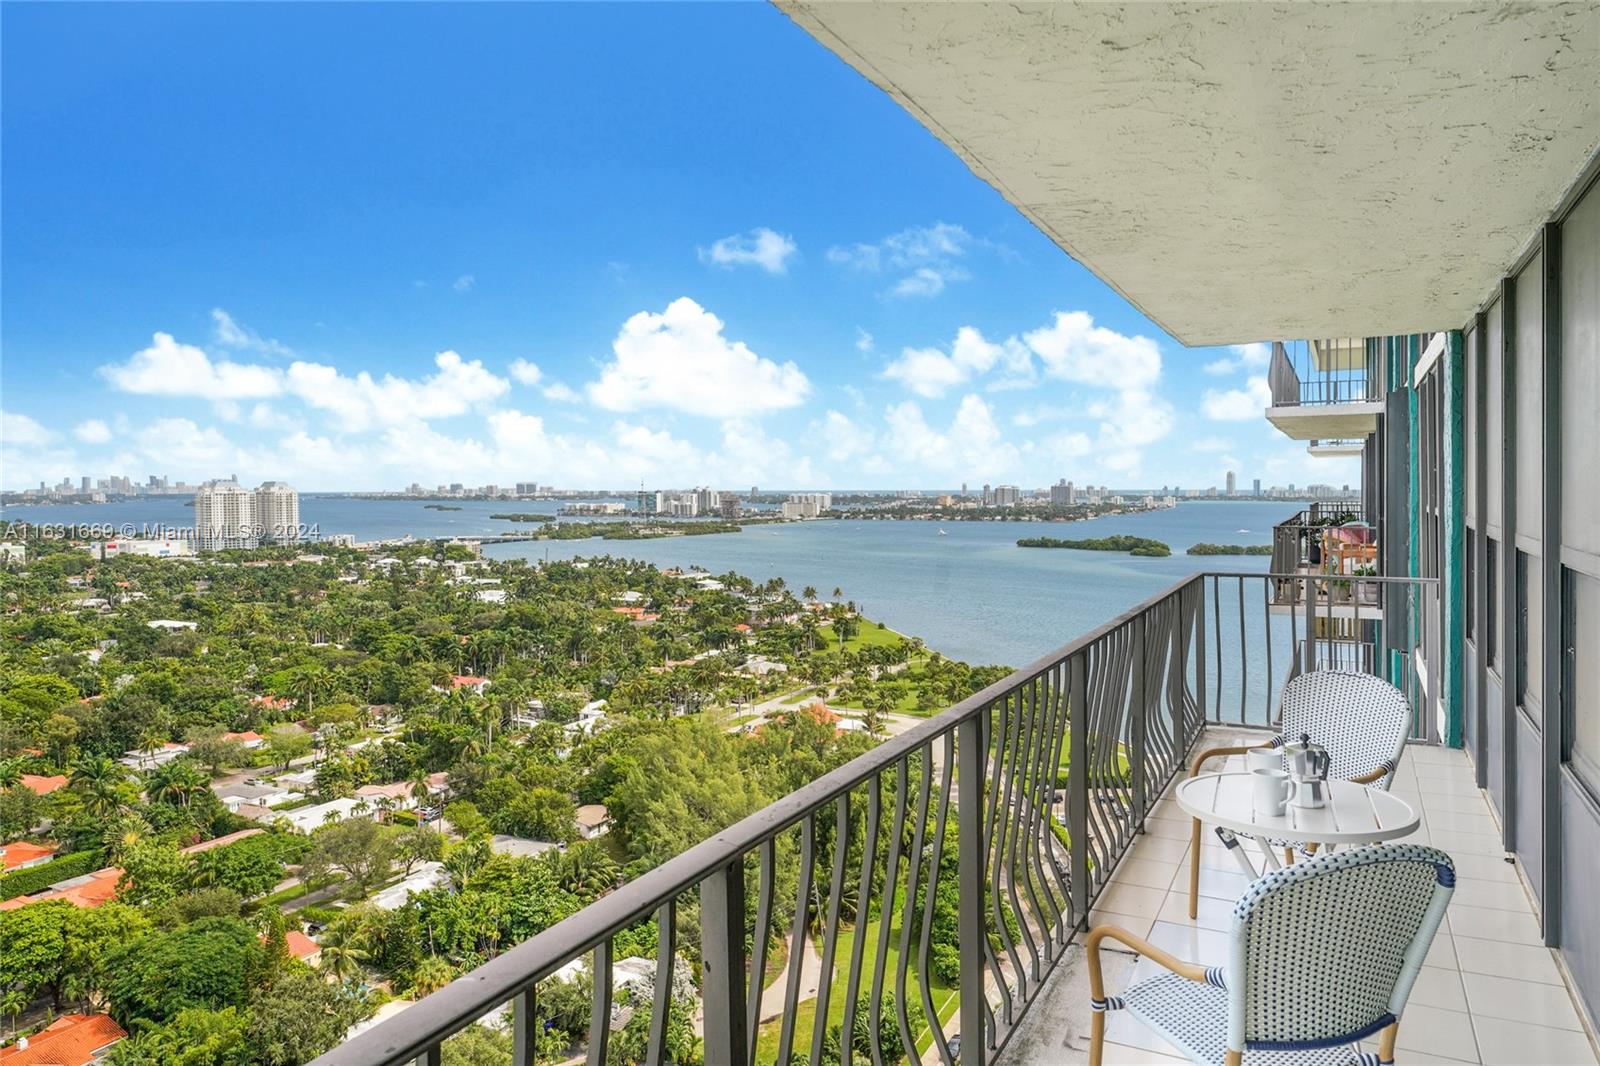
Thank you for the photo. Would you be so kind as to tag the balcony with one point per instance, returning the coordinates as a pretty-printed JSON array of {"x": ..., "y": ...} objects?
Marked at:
[
  {"x": 928, "y": 896},
  {"x": 1325, "y": 390},
  {"x": 1326, "y": 556},
  {"x": 1336, "y": 449}
]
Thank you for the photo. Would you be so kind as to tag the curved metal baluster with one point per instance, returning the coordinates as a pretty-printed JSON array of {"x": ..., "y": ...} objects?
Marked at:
[
  {"x": 760, "y": 938},
  {"x": 1033, "y": 870},
  {"x": 666, "y": 961},
  {"x": 929, "y": 902},
  {"x": 1018, "y": 865},
  {"x": 797, "y": 936},
  {"x": 1098, "y": 822},
  {"x": 913, "y": 879},
  {"x": 995, "y": 845},
  {"x": 830, "y": 935},
  {"x": 600, "y": 1004},
  {"x": 1040, "y": 837},
  {"x": 1216, "y": 617},
  {"x": 1244, "y": 659},
  {"x": 1266, "y": 632},
  {"x": 886, "y": 915},
  {"x": 991, "y": 802},
  {"x": 858, "y": 944},
  {"x": 1009, "y": 843}
]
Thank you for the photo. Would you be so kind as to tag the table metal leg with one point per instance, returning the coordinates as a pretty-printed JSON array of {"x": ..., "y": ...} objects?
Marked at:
[
  {"x": 1230, "y": 840},
  {"x": 1271, "y": 853}
]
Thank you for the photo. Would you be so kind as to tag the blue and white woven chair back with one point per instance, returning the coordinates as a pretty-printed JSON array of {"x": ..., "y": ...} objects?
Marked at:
[
  {"x": 1362, "y": 720},
  {"x": 1328, "y": 949}
]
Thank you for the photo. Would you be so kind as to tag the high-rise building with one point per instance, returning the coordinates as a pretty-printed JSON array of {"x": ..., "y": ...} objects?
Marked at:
[
  {"x": 1255, "y": 488},
  {"x": 277, "y": 513},
  {"x": 1006, "y": 495},
  {"x": 225, "y": 516},
  {"x": 527, "y": 488},
  {"x": 1062, "y": 494},
  {"x": 1233, "y": 482}
]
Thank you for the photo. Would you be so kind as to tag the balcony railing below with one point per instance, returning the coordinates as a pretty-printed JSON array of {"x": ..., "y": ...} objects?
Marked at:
[{"x": 940, "y": 876}]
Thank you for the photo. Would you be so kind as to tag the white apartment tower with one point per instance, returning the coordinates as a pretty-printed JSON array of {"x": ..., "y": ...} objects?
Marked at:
[
  {"x": 225, "y": 516},
  {"x": 228, "y": 515},
  {"x": 278, "y": 513}
]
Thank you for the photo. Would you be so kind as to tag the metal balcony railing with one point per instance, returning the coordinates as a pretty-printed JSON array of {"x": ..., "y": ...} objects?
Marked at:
[
  {"x": 938, "y": 879},
  {"x": 1297, "y": 540},
  {"x": 1331, "y": 371}
]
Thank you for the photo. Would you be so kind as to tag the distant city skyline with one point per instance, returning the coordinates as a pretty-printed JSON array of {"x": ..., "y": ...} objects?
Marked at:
[
  {"x": 517, "y": 303},
  {"x": 703, "y": 496}
]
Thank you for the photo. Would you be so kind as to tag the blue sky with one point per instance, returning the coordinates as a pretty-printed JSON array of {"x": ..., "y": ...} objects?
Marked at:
[{"x": 352, "y": 246}]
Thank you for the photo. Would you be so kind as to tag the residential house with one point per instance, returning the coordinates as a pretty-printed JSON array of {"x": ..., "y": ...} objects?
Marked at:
[
  {"x": 592, "y": 820},
  {"x": 70, "y": 1040},
  {"x": 44, "y": 785},
  {"x": 20, "y": 855}
]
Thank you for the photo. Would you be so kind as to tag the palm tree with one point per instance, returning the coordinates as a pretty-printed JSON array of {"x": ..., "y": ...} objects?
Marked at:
[
  {"x": 809, "y": 593},
  {"x": 13, "y": 1001},
  {"x": 837, "y": 592},
  {"x": 178, "y": 782},
  {"x": 343, "y": 951},
  {"x": 10, "y": 773},
  {"x": 308, "y": 683},
  {"x": 360, "y": 807},
  {"x": 432, "y": 974},
  {"x": 98, "y": 779}
]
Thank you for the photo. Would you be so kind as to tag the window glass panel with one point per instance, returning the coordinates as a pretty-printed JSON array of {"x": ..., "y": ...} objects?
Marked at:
[
  {"x": 1472, "y": 584},
  {"x": 1530, "y": 627},
  {"x": 1491, "y": 624},
  {"x": 1582, "y": 671}
]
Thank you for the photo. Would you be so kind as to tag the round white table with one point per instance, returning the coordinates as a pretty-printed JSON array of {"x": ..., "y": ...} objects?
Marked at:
[{"x": 1353, "y": 814}]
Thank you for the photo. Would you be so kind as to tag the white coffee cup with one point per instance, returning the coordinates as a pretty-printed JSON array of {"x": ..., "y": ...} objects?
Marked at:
[
  {"x": 1263, "y": 759},
  {"x": 1272, "y": 791}
]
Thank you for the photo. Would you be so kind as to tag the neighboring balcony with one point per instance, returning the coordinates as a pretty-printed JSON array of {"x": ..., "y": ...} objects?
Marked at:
[
  {"x": 1325, "y": 390},
  {"x": 1326, "y": 558},
  {"x": 1337, "y": 449},
  {"x": 928, "y": 896}
]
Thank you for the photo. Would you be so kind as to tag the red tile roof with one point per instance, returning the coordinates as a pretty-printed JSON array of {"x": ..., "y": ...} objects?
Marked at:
[
  {"x": 300, "y": 945},
  {"x": 44, "y": 785},
  {"x": 70, "y": 1040},
  {"x": 101, "y": 887},
  {"x": 248, "y": 736},
  {"x": 13, "y": 856},
  {"x": 464, "y": 680},
  {"x": 220, "y": 842}
]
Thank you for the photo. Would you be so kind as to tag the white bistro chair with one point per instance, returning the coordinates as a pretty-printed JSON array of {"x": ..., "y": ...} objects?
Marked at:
[
  {"x": 1362, "y": 721},
  {"x": 1322, "y": 954}
]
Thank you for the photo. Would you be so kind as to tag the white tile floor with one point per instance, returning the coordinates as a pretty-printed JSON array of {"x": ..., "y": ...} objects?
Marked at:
[{"x": 1489, "y": 992}]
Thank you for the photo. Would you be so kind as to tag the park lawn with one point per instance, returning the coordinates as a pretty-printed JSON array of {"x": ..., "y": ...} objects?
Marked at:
[
  {"x": 946, "y": 999},
  {"x": 868, "y": 634},
  {"x": 907, "y": 704}
]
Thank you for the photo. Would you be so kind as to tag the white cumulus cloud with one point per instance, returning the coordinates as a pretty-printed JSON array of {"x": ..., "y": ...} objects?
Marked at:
[
  {"x": 92, "y": 431},
  {"x": 1073, "y": 348},
  {"x": 461, "y": 385},
  {"x": 230, "y": 333},
  {"x": 931, "y": 372},
  {"x": 926, "y": 258},
  {"x": 680, "y": 359},
  {"x": 761, "y": 247},
  {"x": 168, "y": 368},
  {"x": 1238, "y": 405},
  {"x": 525, "y": 372},
  {"x": 19, "y": 429}
]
